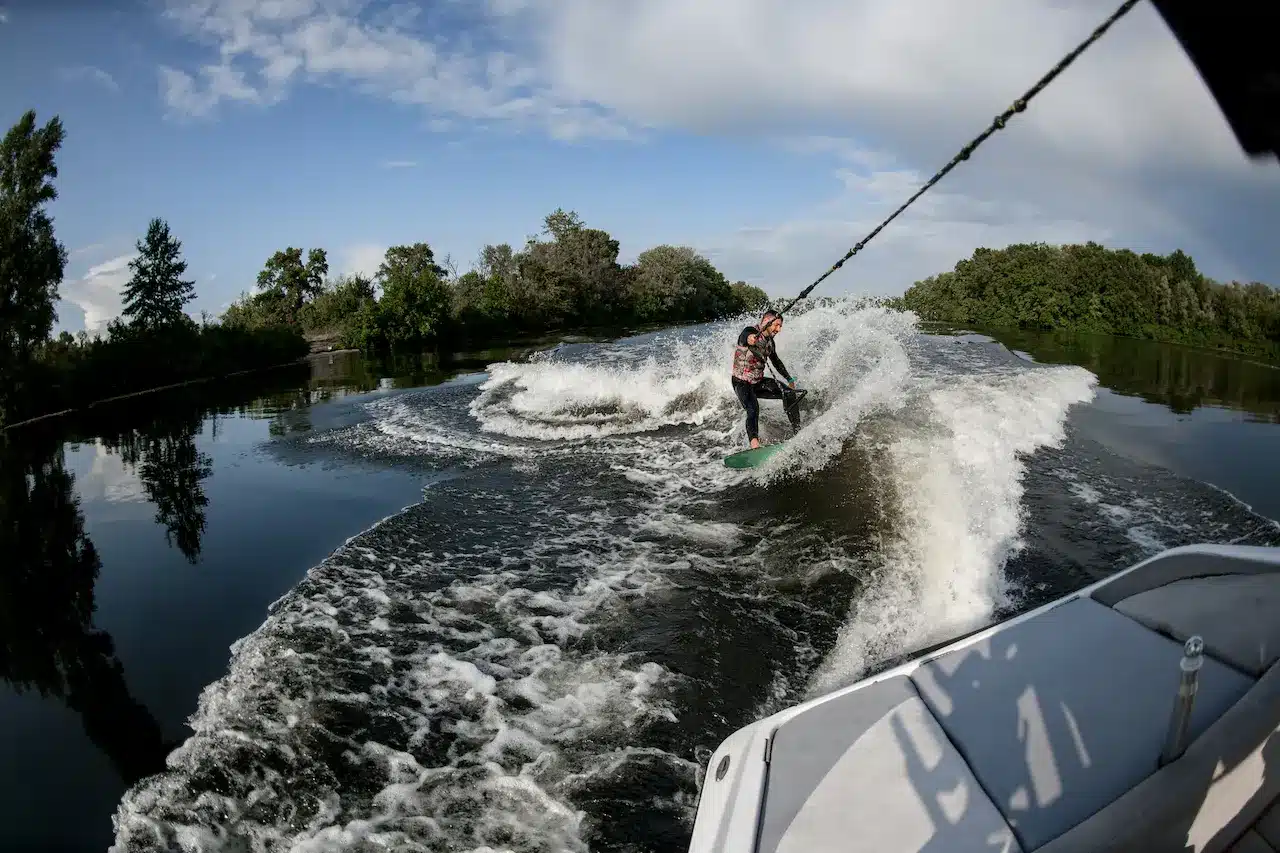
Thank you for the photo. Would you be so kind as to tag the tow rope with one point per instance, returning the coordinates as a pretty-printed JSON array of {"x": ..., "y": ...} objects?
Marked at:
[{"x": 997, "y": 124}]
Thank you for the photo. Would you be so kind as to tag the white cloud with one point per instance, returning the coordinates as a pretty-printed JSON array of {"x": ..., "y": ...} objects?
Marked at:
[
  {"x": 110, "y": 479},
  {"x": 186, "y": 96},
  {"x": 265, "y": 49},
  {"x": 92, "y": 74},
  {"x": 399, "y": 164},
  {"x": 885, "y": 68},
  {"x": 364, "y": 258},
  {"x": 928, "y": 237},
  {"x": 97, "y": 292},
  {"x": 1125, "y": 146},
  {"x": 92, "y": 247},
  {"x": 4, "y": 15}
]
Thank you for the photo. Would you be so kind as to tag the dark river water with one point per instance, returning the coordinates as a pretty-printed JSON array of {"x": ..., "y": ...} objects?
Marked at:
[{"x": 514, "y": 604}]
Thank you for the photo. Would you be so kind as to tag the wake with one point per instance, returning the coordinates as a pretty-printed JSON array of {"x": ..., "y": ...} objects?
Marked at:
[{"x": 467, "y": 674}]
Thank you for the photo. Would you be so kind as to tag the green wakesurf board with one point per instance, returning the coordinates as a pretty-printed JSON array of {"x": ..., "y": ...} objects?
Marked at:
[{"x": 752, "y": 458}]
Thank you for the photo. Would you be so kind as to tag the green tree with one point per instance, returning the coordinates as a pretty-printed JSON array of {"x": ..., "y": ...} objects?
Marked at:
[
  {"x": 497, "y": 262},
  {"x": 290, "y": 282},
  {"x": 1091, "y": 288},
  {"x": 483, "y": 306},
  {"x": 676, "y": 283},
  {"x": 561, "y": 223},
  {"x": 353, "y": 291},
  {"x": 572, "y": 278},
  {"x": 415, "y": 300},
  {"x": 569, "y": 275},
  {"x": 32, "y": 261},
  {"x": 482, "y": 297},
  {"x": 538, "y": 294},
  {"x": 156, "y": 293},
  {"x": 585, "y": 260},
  {"x": 253, "y": 311},
  {"x": 748, "y": 297},
  {"x": 337, "y": 303},
  {"x": 658, "y": 282},
  {"x": 364, "y": 329}
]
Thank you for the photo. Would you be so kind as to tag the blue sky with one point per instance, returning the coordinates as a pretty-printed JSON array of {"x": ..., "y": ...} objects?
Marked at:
[{"x": 769, "y": 135}]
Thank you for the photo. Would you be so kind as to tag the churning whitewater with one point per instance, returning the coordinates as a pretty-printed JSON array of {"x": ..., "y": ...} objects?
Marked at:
[{"x": 538, "y": 656}]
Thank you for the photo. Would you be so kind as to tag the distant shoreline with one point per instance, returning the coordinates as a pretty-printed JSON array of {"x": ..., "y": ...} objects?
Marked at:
[
  {"x": 185, "y": 383},
  {"x": 310, "y": 357}
]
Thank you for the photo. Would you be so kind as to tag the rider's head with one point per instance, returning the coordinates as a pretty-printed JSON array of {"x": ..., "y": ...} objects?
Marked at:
[{"x": 771, "y": 323}]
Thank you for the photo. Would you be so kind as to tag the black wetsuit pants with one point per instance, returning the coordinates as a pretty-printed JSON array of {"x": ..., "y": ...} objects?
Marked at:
[{"x": 749, "y": 395}]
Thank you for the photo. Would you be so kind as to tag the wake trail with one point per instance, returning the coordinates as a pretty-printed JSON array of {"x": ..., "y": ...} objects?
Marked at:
[{"x": 475, "y": 671}]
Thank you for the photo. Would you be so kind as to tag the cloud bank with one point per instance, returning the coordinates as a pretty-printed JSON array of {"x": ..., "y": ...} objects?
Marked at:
[
  {"x": 97, "y": 292},
  {"x": 363, "y": 258},
  {"x": 1125, "y": 147}
]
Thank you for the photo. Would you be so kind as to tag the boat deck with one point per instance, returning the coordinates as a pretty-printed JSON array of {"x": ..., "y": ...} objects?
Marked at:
[{"x": 1043, "y": 733}]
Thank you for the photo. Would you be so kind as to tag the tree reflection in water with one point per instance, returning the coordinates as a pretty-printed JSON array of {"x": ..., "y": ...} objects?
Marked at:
[
  {"x": 163, "y": 453},
  {"x": 48, "y": 642},
  {"x": 47, "y": 639}
]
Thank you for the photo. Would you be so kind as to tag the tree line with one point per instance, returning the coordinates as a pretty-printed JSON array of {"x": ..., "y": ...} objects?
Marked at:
[
  {"x": 153, "y": 343},
  {"x": 1090, "y": 288},
  {"x": 568, "y": 276}
]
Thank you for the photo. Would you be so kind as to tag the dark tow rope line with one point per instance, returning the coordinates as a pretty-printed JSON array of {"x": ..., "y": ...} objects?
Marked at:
[{"x": 998, "y": 124}]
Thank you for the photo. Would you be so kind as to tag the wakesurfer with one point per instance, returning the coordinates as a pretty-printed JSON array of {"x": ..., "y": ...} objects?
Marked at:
[{"x": 755, "y": 347}]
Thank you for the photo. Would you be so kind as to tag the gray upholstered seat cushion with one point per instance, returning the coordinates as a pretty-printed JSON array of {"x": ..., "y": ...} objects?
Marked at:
[
  {"x": 1182, "y": 563},
  {"x": 1207, "y": 798},
  {"x": 1269, "y": 824},
  {"x": 1237, "y": 615},
  {"x": 872, "y": 770},
  {"x": 1251, "y": 842},
  {"x": 1061, "y": 714}
]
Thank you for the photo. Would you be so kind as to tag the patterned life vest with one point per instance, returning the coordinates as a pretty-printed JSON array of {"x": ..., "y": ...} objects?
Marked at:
[{"x": 748, "y": 362}]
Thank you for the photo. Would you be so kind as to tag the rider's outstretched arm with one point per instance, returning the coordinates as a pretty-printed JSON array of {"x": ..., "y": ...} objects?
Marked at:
[{"x": 777, "y": 362}]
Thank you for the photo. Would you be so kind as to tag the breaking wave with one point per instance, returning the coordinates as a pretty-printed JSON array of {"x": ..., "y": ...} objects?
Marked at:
[
  {"x": 957, "y": 475},
  {"x": 535, "y": 657}
]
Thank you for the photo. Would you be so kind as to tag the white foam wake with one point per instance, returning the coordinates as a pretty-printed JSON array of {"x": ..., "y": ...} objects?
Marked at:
[
  {"x": 447, "y": 680},
  {"x": 853, "y": 359},
  {"x": 954, "y": 425},
  {"x": 384, "y": 705},
  {"x": 955, "y": 465},
  {"x": 858, "y": 360}
]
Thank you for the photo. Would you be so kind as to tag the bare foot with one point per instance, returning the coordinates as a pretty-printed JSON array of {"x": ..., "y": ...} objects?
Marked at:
[{"x": 755, "y": 444}]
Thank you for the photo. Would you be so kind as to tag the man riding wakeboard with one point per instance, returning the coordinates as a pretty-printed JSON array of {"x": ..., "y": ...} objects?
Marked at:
[{"x": 755, "y": 347}]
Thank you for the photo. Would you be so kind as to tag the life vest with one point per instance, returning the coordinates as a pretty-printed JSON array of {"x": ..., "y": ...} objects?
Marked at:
[{"x": 748, "y": 362}]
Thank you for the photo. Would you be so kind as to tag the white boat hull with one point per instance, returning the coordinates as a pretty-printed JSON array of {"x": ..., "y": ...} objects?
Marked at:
[{"x": 1044, "y": 732}]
